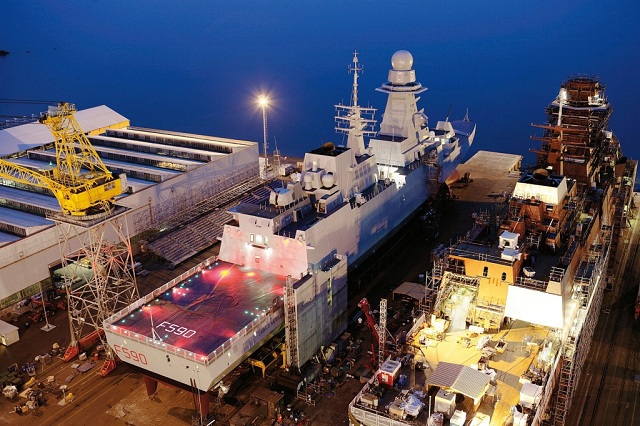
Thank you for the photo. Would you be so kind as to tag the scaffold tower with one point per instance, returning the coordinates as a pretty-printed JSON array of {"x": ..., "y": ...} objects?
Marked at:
[
  {"x": 291, "y": 324},
  {"x": 382, "y": 334},
  {"x": 588, "y": 287},
  {"x": 98, "y": 254}
]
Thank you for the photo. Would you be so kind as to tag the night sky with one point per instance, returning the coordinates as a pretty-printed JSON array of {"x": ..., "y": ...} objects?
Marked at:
[{"x": 197, "y": 66}]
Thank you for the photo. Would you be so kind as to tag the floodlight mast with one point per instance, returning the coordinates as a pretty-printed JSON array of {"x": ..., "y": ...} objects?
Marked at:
[{"x": 263, "y": 102}]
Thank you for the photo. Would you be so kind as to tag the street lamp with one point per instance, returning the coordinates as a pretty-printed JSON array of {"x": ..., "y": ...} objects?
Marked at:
[
  {"x": 47, "y": 327},
  {"x": 263, "y": 102}
]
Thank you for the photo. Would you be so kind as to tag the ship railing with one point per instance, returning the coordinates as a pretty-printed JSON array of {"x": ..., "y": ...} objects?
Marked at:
[
  {"x": 138, "y": 303},
  {"x": 375, "y": 417},
  {"x": 192, "y": 356},
  {"x": 531, "y": 283},
  {"x": 159, "y": 344},
  {"x": 456, "y": 251}
]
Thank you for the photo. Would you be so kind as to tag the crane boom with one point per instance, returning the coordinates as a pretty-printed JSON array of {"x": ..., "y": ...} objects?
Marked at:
[
  {"x": 371, "y": 322},
  {"x": 80, "y": 181}
]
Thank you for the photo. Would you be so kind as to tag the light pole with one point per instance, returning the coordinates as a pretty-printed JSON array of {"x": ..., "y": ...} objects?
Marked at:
[
  {"x": 47, "y": 327},
  {"x": 263, "y": 101}
]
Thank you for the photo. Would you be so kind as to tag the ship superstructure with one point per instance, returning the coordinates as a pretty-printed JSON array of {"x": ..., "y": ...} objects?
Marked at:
[
  {"x": 290, "y": 245},
  {"x": 348, "y": 201},
  {"x": 522, "y": 290}
]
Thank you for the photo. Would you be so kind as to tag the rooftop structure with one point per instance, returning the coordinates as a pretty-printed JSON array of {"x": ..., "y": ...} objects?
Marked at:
[
  {"x": 562, "y": 230},
  {"x": 16, "y": 140}
]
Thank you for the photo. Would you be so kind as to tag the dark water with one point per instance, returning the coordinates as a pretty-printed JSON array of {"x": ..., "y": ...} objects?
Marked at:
[{"x": 196, "y": 66}]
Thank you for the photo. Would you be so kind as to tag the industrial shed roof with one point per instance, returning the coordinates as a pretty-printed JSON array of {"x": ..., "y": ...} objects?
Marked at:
[
  {"x": 22, "y": 219},
  {"x": 7, "y": 238},
  {"x": 27, "y": 136}
]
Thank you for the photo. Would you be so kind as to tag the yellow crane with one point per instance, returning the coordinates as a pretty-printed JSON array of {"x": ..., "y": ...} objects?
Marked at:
[{"x": 80, "y": 181}]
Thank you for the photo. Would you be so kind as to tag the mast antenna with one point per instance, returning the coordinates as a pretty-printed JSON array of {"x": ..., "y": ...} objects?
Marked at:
[
  {"x": 448, "y": 112},
  {"x": 276, "y": 155},
  {"x": 354, "y": 68},
  {"x": 154, "y": 334}
]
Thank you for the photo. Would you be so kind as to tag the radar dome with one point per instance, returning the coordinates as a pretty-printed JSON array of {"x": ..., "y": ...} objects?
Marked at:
[
  {"x": 402, "y": 61},
  {"x": 540, "y": 174},
  {"x": 328, "y": 180},
  {"x": 328, "y": 146}
]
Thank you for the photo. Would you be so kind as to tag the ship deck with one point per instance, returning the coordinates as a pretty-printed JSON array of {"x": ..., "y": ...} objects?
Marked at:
[{"x": 201, "y": 311}]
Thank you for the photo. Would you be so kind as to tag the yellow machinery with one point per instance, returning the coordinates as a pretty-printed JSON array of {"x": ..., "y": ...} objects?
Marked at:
[{"x": 80, "y": 180}]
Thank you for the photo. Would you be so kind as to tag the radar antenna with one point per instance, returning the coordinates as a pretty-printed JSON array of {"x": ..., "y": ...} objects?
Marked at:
[
  {"x": 349, "y": 118},
  {"x": 354, "y": 67}
]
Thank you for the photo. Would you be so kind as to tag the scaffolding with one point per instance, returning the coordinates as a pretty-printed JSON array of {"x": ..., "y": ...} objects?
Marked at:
[
  {"x": 574, "y": 142},
  {"x": 588, "y": 287},
  {"x": 577, "y": 144},
  {"x": 170, "y": 214},
  {"x": 382, "y": 332},
  {"x": 487, "y": 311},
  {"x": 622, "y": 196},
  {"x": 430, "y": 294},
  {"x": 450, "y": 284},
  {"x": 291, "y": 324},
  {"x": 101, "y": 248}
]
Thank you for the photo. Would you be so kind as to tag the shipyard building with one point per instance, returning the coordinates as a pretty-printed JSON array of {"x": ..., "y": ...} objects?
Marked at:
[{"x": 165, "y": 172}]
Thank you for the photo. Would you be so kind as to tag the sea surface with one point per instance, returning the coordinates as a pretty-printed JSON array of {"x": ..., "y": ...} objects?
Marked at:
[{"x": 197, "y": 66}]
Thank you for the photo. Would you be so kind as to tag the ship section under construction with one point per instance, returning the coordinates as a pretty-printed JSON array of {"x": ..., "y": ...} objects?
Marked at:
[{"x": 519, "y": 295}]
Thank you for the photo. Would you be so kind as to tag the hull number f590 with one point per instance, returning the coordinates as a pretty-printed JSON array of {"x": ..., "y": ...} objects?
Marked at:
[
  {"x": 127, "y": 353},
  {"x": 176, "y": 329}
]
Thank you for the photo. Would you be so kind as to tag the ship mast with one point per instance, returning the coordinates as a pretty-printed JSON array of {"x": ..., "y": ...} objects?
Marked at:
[
  {"x": 355, "y": 68},
  {"x": 353, "y": 120}
]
